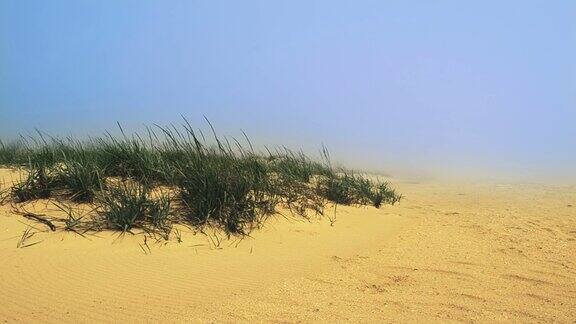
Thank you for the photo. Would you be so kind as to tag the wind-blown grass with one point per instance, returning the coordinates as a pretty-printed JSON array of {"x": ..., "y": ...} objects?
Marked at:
[
  {"x": 217, "y": 182},
  {"x": 38, "y": 183},
  {"x": 129, "y": 205}
]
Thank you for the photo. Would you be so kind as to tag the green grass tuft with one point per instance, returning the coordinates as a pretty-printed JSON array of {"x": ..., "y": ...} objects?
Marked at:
[{"x": 215, "y": 182}]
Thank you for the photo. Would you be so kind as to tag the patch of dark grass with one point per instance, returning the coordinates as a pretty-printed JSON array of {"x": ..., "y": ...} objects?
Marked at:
[
  {"x": 11, "y": 153},
  {"x": 81, "y": 179},
  {"x": 38, "y": 183},
  {"x": 215, "y": 182},
  {"x": 292, "y": 176},
  {"x": 383, "y": 194},
  {"x": 226, "y": 190},
  {"x": 125, "y": 206},
  {"x": 337, "y": 189},
  {"x": 346, "y": 188}
]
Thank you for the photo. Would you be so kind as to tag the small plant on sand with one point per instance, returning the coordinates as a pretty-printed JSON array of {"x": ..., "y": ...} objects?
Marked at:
[
  {"x": 37, "y": 184},
  {"x": 81, "y": 179},
  {"x": 78, "y": 224},
  {"x": 337, "y": 188},
  {"x": 26, "y": 235},
  {"x": 383, "y": 194},
  {"x": 125, "y": 206},
  {"x": 347, "y": 188}
]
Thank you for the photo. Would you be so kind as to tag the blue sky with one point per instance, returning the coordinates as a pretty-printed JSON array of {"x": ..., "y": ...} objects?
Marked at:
[{"x": 429, "y": 87}]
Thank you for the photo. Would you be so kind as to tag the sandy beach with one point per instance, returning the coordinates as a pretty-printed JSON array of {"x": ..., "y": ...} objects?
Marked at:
[
  {"x": 287, "y": 161},
  {"x": 447, "y": 252}
]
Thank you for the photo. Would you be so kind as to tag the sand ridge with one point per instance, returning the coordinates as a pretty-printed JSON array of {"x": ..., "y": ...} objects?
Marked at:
[{"x": 447, "y": 252}]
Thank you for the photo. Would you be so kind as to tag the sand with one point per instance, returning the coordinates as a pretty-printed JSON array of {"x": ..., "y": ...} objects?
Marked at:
[{"x": 447, "y": 252}]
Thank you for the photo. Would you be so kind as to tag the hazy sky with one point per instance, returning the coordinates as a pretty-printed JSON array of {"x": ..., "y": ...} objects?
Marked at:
[{"x": 431, "y": 87}]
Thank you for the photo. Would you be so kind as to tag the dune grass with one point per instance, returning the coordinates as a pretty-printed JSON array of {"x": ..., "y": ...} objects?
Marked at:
[
  {"x": 176, "y": 175},
  {"x": 38, "y": 183}
]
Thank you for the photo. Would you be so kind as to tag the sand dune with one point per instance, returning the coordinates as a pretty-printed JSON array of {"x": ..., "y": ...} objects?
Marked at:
[{"x": 447, "y": 252}]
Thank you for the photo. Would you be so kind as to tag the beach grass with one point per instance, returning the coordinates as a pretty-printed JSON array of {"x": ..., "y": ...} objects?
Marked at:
[{"x": 177, "y": 175}]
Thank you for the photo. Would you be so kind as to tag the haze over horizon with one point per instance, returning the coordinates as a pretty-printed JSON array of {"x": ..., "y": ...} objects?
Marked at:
[{"x": 445, "y": 88}]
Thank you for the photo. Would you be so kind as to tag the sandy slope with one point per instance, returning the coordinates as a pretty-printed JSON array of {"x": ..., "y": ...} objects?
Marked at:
[{"x": 447, "y": 252}]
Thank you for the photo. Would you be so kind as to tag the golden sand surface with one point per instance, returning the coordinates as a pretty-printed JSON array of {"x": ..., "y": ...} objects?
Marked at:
[{"x": 448, "y": 252}]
